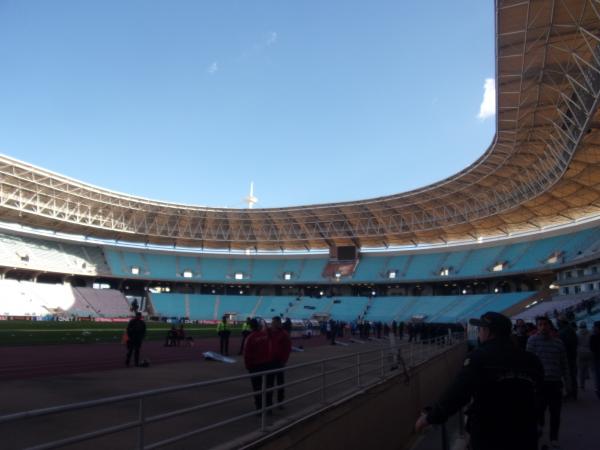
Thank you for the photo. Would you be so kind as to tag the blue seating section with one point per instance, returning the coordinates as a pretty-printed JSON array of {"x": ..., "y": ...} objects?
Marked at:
[
  {"x": 307, "y": 306},
  {"x": 242, "y": 305},
  {"x": 169, "y": 305},
  {"x": 454, "y": 308},
  {"x": 480, "y": 261},
  {"x": 270, "y": 306},
  {"x": 202, "y": 307},
  {"x": 348, "y": 308},
  {"x": 470, "y": 263}
]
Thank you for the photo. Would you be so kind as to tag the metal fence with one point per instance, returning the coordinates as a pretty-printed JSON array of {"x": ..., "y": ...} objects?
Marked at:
[{"x": 226, "y": 403}]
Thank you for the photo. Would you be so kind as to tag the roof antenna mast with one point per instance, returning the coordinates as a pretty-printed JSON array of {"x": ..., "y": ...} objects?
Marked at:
[{"x": 251, "y": 199}]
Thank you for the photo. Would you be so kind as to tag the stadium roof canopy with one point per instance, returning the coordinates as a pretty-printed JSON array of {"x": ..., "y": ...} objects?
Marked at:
[{"x": 542, "y": 168}]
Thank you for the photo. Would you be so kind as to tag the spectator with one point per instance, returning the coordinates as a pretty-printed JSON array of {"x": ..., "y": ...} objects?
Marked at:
[
  {"x": 136, "y": 331},
  {"x": 584, "y": 354},
  {"x": 410, "y": 328},
  {"x": 378, "y": 327},
  {"x": 569, "y": 337},
  {"x": 246, "y": 330},
  {"x": 332, "y": 330},
  {"x": 223, "y": 331},
  {"x": 281, "y": 345},
  {"x": 257, "y": 358},
  {"x": 180, "y": 335},
  {"x": 287, "y": 326},
  {"x": 171, "y": 339},
  {"x": 502, "y": 381},
  {"x": 595, "y": 349},
  {"x": 521, "y": 333},
  {"x": 551, "y": 352}
]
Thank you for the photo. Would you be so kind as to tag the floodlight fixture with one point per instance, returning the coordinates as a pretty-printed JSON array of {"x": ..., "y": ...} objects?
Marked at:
[{"x": 498, "y": 267}]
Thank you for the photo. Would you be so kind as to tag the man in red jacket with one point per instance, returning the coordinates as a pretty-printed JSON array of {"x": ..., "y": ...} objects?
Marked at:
[
  {"x": 257, "y": 358},
  {"x": 282, "y": 346}
]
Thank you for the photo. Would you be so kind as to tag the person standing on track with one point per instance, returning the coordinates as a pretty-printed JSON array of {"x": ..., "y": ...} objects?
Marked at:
[
  {"x": 246, "y": 330},
  {"x": 223, "y": 331},
  {"x": 136, "y": 331},
  {"x": 257, "y": 358},
  {"x": 281, "y": 349}
]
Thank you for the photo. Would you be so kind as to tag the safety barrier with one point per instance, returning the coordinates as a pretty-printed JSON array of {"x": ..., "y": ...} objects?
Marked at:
[{"x": 309, "y": 386}]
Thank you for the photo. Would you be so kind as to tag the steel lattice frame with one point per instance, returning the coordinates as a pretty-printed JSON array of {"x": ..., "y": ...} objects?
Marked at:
[{"x": 543, "y": 167}]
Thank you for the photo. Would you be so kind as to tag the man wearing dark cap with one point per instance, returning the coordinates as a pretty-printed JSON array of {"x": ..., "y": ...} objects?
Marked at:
[{"x": 502, "y": 381}]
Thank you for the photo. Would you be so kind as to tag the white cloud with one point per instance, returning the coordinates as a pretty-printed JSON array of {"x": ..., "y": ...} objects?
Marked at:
[
  {"x": 212, "y": 69},
  {"x": 272, "y": 38},
  {"x": 488, "y": 104}
]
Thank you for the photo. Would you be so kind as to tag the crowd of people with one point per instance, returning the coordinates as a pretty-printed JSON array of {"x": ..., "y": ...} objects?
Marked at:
[
  {"x": 516, "y": 377},
  {"x": 518, "y": 374},
  {"x": 569, "y": 313},
  {"x": 416, "y": 331},
  {"x": 176, "y": 337}
]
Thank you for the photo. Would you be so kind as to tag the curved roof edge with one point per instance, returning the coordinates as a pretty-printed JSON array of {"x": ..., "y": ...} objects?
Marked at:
[{"x": 542, "y": 169}]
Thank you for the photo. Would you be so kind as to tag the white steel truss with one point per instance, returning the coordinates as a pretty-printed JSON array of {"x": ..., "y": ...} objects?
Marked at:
[{"x": 543, "y": 166}]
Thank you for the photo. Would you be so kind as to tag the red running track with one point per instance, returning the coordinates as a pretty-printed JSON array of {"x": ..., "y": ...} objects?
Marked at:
[{"x": 33, "y": 361}]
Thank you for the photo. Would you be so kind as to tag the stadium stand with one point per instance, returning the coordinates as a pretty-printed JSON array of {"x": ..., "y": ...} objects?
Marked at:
[
  {"x": 452, "y": 308},
  {"x": 348, "y": 308},
  {"x": 61, "y": 257},
  {"x": 557, "y": 305},
  {"x": 472, "y": 262},
  {"x": 106, "y": 302},
  {"x": 455, "y": 308},
  {"x": 239, "y": 306},
  {"x": 174, "y": 305},
  {"x": 25, "y": 298},
  {"x": 51, "y": 256}
]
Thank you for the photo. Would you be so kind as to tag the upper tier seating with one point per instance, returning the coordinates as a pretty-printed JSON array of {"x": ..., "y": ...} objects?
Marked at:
[
  {"x": 475, "y": 261},
  {"x": 51, "y": 256},
  {"x": 214, "y": 269}
]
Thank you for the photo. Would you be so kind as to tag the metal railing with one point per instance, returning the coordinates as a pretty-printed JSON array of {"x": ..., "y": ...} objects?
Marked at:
[{"x": 315, "y": 385}]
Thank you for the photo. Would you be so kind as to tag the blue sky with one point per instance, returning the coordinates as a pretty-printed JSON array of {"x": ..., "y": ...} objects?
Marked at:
[{"x": 189, "y": 101}]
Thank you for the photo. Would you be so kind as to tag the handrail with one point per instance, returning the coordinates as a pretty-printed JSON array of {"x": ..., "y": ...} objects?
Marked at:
[
  {"x": 380, "y": 362},
  {"x": 159, "y": 391}
]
